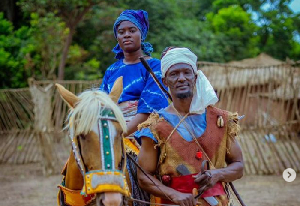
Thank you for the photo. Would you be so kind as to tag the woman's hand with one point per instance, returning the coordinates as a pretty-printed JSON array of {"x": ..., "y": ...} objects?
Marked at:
[{"x": 134, "y": 122}]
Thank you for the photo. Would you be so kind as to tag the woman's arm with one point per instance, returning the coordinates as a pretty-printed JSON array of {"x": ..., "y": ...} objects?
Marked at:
[{"x": 133, "y": 124}]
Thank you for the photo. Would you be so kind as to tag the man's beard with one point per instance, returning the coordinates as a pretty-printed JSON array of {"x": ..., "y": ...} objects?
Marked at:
[{"x": 184, "y": 95}]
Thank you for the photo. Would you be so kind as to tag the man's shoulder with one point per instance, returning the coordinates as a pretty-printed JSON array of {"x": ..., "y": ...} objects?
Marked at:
[
  {"x": 230, "y": 116},
  {"x": 216, "y": 110},
  {"x": 153, "y": 119},
  {"x": 232, "y": 119}
]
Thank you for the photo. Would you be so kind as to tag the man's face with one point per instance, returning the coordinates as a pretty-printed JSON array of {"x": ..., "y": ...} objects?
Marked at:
[
  {"x": 128, "y": 36},
  {"x": 181, "y": 79}
]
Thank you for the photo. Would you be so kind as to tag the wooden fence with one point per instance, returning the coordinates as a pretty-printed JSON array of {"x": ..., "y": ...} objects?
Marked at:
[
  {"x": 269, "y": 97},
  {"x": 32, "y": 118},
  {"x": 31, "y": 122}
]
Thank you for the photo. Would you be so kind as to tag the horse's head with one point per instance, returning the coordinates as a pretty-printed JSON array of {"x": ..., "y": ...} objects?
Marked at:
[{"x": 95, "y": 126}]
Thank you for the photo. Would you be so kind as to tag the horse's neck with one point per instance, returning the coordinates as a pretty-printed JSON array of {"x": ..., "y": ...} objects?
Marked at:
[{"x": 74, "y": 179}]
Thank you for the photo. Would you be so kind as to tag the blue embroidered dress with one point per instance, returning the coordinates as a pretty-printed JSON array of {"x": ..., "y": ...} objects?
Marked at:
[{"x": 137, "y": 85}]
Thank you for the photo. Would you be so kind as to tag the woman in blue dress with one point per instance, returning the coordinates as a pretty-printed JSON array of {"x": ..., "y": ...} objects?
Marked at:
[{"x": 141, "y": 95}]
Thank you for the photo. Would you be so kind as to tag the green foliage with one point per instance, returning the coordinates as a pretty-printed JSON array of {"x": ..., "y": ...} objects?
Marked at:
[
  {"x": 219, "y": 4},
  {"x": 277, "y": 33},
  {"x": 12, "y": 47},
  {"x": 85, "y": 71},
  {"x": 48, "y": 35},
  {"x": 19, "y": 148},
  {"x": 78, "y": 68},
  {"x": 216, "y": 30},
  {"x": 95, "y": 35},
  {"x": 45, "y": 6},
  {"x": 71, "y": 13},
  {"x": 171, "y": 25},
  {"x": 237, "y": 29}
]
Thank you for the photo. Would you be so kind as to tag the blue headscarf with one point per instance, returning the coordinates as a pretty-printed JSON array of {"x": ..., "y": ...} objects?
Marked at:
[{"x": 140, "y": 19}]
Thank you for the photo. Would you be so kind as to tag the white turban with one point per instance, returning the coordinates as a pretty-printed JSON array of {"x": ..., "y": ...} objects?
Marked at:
[{"x": 204, "y": 93}]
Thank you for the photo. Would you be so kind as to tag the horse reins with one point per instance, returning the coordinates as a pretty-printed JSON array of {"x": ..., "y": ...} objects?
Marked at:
[{"x": 145, "y": 173}]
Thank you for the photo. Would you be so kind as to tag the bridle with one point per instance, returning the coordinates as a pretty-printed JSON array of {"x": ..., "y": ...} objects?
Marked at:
[{"x": 109, "y": 178}]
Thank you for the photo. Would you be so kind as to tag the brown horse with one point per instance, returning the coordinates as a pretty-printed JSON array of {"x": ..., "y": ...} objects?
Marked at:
[{"x": 95, "y": 171}]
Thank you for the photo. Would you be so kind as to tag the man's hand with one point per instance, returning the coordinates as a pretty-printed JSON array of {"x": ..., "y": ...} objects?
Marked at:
[
  {"x": 233, "y": 171},
  {"x": 183, "y": 199},
  {"x": 207, "y": 180}
]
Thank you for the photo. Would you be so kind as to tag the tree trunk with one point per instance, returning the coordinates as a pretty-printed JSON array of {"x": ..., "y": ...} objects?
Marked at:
[
  {"x": 63, "y": 60},
  {"x": 8, "y": 8},
  {"x": 71, "y": 25}
]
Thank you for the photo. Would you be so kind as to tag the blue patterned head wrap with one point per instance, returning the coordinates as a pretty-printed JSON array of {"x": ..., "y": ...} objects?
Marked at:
[{"x": 140, "y": 19}]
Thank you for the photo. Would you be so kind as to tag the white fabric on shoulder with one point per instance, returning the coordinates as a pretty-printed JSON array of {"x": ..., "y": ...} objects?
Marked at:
[{"x": 203, "y": 95}]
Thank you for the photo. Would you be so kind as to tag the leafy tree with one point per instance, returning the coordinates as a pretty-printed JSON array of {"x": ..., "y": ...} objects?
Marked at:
[
  {"x": 172, "y": 25},
  {"x": 76, "y": 37},
  {"x": 47, "y": 35},
  {"x": 278, "y": 26},
  {"x": 238, "y": 30},
  {"x": 13, "y": 13},
  {"x": 96, "y": 36},
  {"x": 35, "y": 51},
  {"x": 13, "y": 49},
  {"x": 71, "y": 12}
]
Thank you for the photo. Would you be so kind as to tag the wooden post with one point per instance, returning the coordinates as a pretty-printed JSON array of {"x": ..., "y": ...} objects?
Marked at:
[{"x": 43, "y": 127}]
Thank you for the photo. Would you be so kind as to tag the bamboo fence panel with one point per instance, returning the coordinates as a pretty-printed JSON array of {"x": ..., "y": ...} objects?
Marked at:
[
  {"x": 19, "y": 142},
  {"x": 269, "y": 97}
]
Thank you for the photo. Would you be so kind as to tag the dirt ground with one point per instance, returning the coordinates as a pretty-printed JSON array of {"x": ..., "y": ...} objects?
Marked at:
[{"x": 25, "y": 185}]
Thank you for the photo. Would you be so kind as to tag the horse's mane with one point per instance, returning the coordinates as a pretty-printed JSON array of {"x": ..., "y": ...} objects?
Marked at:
[{"x": 88, "y": 109}]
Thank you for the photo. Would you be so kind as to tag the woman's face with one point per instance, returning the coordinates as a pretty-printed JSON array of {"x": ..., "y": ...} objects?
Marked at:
[{"x": 129, "y": 37}]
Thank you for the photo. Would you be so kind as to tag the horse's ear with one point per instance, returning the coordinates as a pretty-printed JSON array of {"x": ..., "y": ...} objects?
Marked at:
[
  {"x": 70, "y": 98},
  {"x": 117, "y": 90}
]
